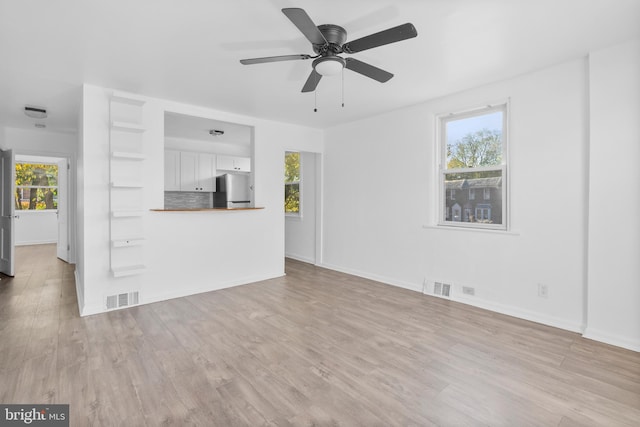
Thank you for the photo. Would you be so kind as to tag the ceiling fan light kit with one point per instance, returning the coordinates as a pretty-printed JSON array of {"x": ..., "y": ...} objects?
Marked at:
[
  {"x": 328, "y": 41},
  {"x": 329, "y": 65}
]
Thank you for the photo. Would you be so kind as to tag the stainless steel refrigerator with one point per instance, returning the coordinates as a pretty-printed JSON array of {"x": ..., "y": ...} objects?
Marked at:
[{"x": 232, "y": 191}]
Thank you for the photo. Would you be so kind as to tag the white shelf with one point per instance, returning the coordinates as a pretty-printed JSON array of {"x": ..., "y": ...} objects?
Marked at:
[
  {"x": 125, "y": 184},
  {"x": 127, "y": 214},
  {"x": 127, "y": 127},
  {"x": 126, "y": 98},
  {"x": 129, "y": 270},
  {"x": 128, "y": 155},
  {"x": 127, "y": 141},
  {"x": 123, "y": 243}
]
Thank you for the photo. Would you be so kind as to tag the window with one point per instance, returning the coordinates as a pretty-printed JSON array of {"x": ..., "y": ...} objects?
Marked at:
[
  {"x": 36, "y": 186},
  {"x": 453, "y": 194},
  {"x": 473, "y": 147},
  {"x": 292, "y": 183}
]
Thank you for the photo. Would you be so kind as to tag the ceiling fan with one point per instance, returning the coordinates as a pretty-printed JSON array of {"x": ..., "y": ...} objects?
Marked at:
[{"x": 328, "y": 42}]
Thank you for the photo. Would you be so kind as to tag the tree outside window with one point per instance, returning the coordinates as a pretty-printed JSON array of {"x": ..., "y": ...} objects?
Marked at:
[
  {"x": 292, "y": 183},
  {"x": 36, "y": 186}
]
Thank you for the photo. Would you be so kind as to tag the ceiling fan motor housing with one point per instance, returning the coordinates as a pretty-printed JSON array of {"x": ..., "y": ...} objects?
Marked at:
[{"x": 335, "y": 36}]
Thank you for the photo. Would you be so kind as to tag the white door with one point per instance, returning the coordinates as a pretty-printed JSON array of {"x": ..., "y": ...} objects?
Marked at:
[
  {"x": 63, "y": 210},
  {"x": 7, "y": 212}
]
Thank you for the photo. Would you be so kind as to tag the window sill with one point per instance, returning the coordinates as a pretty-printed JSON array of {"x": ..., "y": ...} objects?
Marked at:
[
  {"x": 34, "y": 211},
  {"x": 471, "y": 229},
  {"x": 297, "y": 217}
]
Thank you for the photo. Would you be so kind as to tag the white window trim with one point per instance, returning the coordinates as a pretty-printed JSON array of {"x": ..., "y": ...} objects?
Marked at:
[
  {"x": 440, "y": 159},
  {"x": 295, "y": 215}
]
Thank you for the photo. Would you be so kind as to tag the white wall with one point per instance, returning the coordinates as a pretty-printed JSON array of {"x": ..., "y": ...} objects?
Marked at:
[
  {"x": 184, "y": 144},
  {"x": 381, "y": 204},
  {"x": 36, "y": 227},
  {"x": 39, "y": 142},
  {"x": 300, "y": 231},
  {"x": 191, "y": 252},
  {"x": 614, "y": 196}
]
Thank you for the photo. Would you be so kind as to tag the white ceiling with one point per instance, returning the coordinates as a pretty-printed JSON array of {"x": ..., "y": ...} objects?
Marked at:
[
  {"x": 197, "y": 129},
  {"x": 188, "y": 51}
]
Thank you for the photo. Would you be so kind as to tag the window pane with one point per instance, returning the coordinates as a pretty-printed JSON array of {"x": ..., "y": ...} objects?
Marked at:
[
  {"x": 474, "y": 141},
  {"x": 462, "y": 208},
  {"x": 36, "y": 186},
  {"x": 292, "y": 198},
  {"x": 292, "y": 182},
  {"x": 292, "y": 167},
  {"x": 30, "y": 198}
]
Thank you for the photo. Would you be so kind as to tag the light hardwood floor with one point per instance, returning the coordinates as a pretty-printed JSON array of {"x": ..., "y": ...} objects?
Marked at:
[{"x": 316, "y": 347}]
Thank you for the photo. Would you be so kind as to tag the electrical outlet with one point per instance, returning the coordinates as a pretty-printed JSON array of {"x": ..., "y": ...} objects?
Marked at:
[{"x": 543, "y": 290}]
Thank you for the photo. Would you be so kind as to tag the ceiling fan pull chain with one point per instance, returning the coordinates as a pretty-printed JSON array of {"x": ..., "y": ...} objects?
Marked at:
[
  {"x": 315, "y": 97},
  {"x": 342, "y": 87}
]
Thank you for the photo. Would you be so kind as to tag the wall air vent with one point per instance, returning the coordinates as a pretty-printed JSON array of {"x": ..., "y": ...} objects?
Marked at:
[
  {"x": 442, "y": 289},
  {"x": 437, "y": 288},
  {"x": 123, "y": 300},
  {"x": 446, "y": 290}
]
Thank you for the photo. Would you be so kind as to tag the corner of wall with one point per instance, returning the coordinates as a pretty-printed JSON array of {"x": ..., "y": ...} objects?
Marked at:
[{"x": 79, "y": 292}]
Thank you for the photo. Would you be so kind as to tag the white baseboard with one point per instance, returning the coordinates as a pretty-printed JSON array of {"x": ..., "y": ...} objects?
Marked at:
[
  {"x": 377, "y": 278},
  {"x": 99, "y": 307},
  {"x": 36, "y": 242},
  {"x": 607, "y": 338},
  {"x": 487, "y": 305},
  {"x": 300, "y": 258},
  {"x": 532, "y": 316},
  {"x": 209, "y": 288}
]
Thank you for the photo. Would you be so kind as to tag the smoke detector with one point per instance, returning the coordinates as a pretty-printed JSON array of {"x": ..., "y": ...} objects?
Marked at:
[
  {"x": 216, "y": 132},
  {"x": 35, "y": 112}
]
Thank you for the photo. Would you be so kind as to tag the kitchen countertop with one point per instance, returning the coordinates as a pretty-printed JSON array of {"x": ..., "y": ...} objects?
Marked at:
[{"x": 205, "y": 209}]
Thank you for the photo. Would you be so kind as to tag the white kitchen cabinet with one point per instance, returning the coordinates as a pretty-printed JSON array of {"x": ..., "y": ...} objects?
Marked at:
[
  {"x": 171, "y": 170},
  {"x": 234, "y": 164},
  {"x": 197, "y": 171}
]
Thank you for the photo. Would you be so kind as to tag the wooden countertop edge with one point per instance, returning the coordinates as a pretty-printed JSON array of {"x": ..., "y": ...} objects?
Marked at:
[{"x": 206, "y": 209}]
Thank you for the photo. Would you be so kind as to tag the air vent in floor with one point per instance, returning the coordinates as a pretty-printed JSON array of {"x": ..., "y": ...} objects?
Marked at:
[{"x": 123, "y": 300}]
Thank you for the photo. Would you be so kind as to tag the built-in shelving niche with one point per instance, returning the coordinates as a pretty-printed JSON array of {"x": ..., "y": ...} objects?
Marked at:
[{"x": 126, "y": 142}]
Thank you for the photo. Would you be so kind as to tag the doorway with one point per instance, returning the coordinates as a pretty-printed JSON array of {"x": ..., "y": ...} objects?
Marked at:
[
  {"x": 303, "y": 206},
  {"x": 36, "y": 205}
]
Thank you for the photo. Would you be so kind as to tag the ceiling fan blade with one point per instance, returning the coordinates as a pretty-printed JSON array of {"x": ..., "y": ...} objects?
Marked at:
[
  {"x": 273, "y": 59},
  {"x": 312, "y": 81},
  {"x": 368, "y": 70},
  {"x": 392, "y": 35},
  {"x": 306, "y": 26}
]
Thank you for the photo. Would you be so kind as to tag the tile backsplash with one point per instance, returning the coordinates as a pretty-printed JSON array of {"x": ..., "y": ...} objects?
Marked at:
[{"x": 187, "y": 200}]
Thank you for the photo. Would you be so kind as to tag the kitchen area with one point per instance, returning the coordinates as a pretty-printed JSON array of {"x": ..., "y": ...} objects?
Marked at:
[{"x": 207, "y": 164}]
